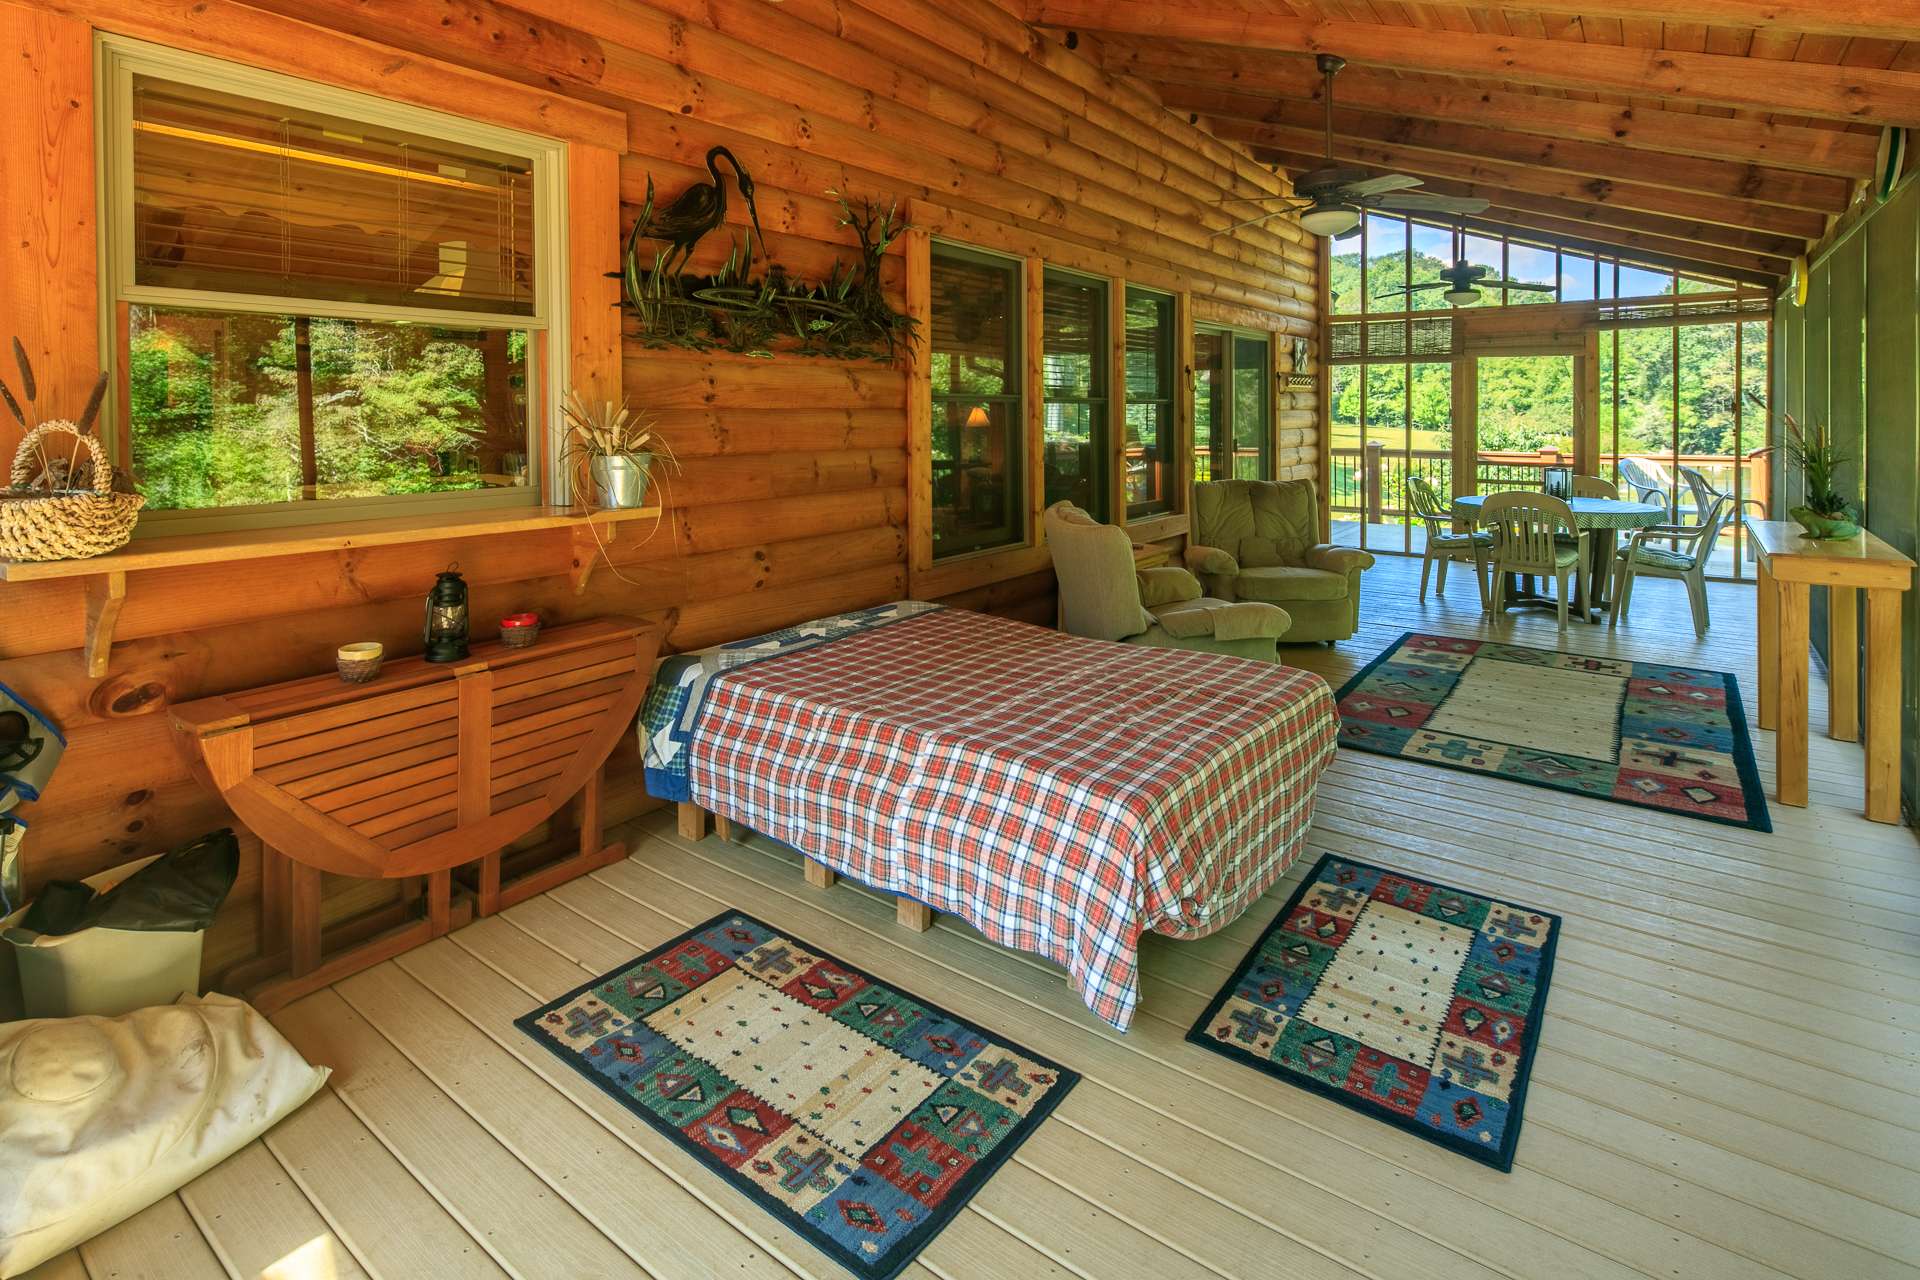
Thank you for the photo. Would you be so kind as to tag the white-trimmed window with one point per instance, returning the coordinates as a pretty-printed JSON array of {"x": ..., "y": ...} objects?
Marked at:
[{"x": 319, "y": 304}]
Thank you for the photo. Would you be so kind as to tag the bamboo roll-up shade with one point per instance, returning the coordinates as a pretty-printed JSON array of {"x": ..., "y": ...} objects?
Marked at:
[{"x": 241, "y": 196}]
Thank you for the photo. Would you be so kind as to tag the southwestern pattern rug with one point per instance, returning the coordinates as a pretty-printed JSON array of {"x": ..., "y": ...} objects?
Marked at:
[
  {"x": 1407, "y": 1000},
  {"x": 861, "y": 1116},
  {"x": 1640, "y": 733}
]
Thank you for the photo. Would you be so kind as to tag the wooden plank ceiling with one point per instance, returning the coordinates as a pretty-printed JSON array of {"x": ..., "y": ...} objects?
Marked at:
[{"x": 1723, "y": 134}]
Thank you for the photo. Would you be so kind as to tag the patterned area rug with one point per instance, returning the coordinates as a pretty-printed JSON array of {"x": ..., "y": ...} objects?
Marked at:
[
  {"x": 1642, "y": 733},
  {"x": 863, "y": 1117},
  {"x": 1407, "y": 1000}
]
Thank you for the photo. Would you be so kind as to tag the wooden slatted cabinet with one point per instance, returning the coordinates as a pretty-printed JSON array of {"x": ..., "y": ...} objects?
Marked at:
[{"x": 425, "y": 768}]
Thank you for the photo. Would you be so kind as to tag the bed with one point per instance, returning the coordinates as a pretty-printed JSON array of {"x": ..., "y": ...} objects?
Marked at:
[{"x": 1063, "y": 796}]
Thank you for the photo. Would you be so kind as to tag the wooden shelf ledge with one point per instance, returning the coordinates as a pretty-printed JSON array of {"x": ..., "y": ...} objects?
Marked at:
[{"x": 106, "y": 581}]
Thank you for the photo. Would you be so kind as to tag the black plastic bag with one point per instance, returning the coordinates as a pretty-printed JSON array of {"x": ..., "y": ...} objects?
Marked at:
[{"x": 178, "y": 892}]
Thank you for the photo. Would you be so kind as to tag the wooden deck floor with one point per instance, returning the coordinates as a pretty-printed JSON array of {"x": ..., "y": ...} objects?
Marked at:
[{"x": 1726, "y": 1084}]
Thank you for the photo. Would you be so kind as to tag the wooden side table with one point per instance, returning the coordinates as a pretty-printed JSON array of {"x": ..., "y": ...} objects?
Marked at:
[{"x": 1791, "y": 563}]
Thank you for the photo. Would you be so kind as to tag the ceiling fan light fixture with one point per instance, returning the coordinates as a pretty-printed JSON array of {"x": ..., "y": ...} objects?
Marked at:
[
  {"x": 1462, "y": 297},
  {"x": 1330, "y": 219}
]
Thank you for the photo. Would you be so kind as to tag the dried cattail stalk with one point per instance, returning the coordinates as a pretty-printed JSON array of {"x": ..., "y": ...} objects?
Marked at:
[
  {"x": 92, "y": 410},
  {"x": 13, "y": 406},
  {"x": 26, "y": 372}
]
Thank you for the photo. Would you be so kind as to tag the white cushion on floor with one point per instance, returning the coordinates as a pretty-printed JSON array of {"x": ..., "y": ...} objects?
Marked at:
[{"x": 104, "y": 1116}]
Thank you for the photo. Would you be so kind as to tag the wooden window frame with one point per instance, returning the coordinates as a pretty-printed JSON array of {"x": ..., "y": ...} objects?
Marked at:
[
  {"x": 1021, "y": 373},
  {"x": 1170, "y": 500},
  {"x": 1270, "y": 433},
  {"x": 1101, "y": 425},
  {"x": 931, "y": 221},
  {"x": 117, "y": 60}
]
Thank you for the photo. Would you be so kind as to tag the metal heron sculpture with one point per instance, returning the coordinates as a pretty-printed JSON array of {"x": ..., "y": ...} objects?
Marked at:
[{"x": 698, "y": 210}]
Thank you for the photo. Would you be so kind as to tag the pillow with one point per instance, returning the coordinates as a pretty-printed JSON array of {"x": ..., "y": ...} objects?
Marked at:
[
  {"x": 1167, "y": 585},
  {"x": 104, "y": 1116}
]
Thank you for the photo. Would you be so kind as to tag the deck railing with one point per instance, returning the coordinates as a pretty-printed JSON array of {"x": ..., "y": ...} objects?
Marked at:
[{"x": 1371, "y": 481}]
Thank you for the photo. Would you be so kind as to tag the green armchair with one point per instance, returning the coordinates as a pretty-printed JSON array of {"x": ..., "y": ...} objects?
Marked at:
[
  {"x": 1256, "y": 540},
  {"x": 1103, "y": 598}
]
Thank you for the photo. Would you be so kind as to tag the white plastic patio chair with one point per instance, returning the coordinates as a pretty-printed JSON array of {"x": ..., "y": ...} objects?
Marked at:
[
  {"x": 1534, "y": 535},
  {"x": 1688, "y": 565},
  {"x": 1443, "y": 544}
]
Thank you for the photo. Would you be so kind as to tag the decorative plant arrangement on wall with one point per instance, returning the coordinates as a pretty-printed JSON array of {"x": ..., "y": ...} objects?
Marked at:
[{"x": 844, "y": 317}]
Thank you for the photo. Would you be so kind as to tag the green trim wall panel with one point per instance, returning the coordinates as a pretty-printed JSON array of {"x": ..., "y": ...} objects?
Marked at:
[{"x": 1892, "y": 425}]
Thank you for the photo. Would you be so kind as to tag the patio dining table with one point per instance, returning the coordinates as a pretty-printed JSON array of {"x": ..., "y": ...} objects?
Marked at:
[{"x": 1603, "y": 518}]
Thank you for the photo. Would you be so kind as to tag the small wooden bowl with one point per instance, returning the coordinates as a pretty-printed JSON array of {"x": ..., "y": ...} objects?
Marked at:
[
  {"x": 519, "y": 630},
  {"x": 359, "y": 663}
]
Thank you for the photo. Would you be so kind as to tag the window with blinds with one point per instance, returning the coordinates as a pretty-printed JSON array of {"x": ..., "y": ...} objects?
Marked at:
[
  {"x": 1074, "y": 360},
  {"x": 979, "y": 488},
  {"x": 236, "y": 195},
  {"x": 326, "y": 304},
  {"x": 1149, "y": 445}
]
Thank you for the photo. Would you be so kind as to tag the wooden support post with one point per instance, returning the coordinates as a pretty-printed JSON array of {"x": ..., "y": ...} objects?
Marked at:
[
  {"x": 693, "y": 821},
  {"x": 274, "y": 938},
  {"x": 728, "y": 830},
  {"x": 1766, "y": 597},
  {"x": 440, "y": 900},
  {"x": 819, "y": 874},
  {"x": 1843, "y": 663},
  {"x": 303, "y": 918},
  {"x": 106, "y": 592},
  {"x": 1790, "y": 745},
  {"x": 1883, "y": 705},
  {"x": 917, "y": 916}
]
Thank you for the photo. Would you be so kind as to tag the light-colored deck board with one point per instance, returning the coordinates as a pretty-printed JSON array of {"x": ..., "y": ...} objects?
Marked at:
[
  {"x": 253, "y": 1215},
  {"x": 161, "y": 1242},
  {"x": 1209, "y": 1230},
  {"x": 1727, "y": 1084},
  {"x": 498, "y": 958},
  {"x": 529, "y": 1228},
  {"x": 1587, "y": 1164},
  {"x": 370, "y": 1199}
]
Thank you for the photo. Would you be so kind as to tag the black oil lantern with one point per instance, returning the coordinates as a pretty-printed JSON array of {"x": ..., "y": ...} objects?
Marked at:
[{"x": 446, "y": 634}]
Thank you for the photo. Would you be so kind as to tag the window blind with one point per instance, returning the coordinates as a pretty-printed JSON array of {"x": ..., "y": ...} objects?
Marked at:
[{"x": 240, "y": 196}]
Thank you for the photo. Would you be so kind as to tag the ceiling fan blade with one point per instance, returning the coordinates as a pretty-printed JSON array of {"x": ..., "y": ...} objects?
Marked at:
[
  {"x": 1518, "y": 285},
  {"x": 1421, "y": 202},
  {"x": 1381, "y": 185}
]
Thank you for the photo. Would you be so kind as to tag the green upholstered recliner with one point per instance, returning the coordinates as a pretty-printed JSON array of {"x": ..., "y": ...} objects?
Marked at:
[
  {"x": 1102, "y": 597},
  {"x": 1256, "y": 540}
]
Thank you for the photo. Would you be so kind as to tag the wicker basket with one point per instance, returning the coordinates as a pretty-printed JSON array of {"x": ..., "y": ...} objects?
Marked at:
[{"x": 68, "y": 524}]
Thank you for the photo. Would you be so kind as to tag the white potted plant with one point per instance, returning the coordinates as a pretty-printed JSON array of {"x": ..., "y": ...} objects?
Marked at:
[{"x": 620, "y": 447}]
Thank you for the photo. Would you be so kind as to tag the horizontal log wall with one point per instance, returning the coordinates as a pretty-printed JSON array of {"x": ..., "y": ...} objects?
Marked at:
[{"x": 792, "y": 500}]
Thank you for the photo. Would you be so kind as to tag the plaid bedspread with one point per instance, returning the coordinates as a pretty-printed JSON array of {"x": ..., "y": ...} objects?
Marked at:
[{"x": 1063, "y": 796}]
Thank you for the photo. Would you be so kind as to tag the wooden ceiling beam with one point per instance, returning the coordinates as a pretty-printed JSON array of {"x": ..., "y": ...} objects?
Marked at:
[
  {"x": 1641, "y": 250},
  {"x": 1866, "y": 94},
  {"x": 1629, "y": 232},
  {"x": 1873, "y": 19},
  {"x": 1736, "y": 214},
  {"x": 1189, "y": 79},
  {"x": 1822, "y": 194}
]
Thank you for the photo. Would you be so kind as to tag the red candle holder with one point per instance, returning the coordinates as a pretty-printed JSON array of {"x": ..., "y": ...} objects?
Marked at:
[{"x": 518, "y": 630}]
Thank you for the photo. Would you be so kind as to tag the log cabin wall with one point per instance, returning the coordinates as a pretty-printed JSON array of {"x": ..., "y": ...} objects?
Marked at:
[{"x": 794, "y": 497}]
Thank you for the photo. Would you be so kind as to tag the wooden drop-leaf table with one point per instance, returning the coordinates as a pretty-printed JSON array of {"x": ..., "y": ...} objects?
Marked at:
[{"x": 425, "y": 768}]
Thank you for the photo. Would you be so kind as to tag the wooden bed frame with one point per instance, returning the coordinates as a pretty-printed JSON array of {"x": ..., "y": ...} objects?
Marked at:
[{"x": 910, "y": 912}]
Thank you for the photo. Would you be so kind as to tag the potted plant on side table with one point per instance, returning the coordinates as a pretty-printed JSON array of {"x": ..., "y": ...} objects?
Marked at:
[{"x": 1823, "y": 512}]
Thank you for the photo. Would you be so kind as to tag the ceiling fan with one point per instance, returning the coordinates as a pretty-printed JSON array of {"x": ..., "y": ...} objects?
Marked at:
[
  {"x": 1329, "y": 199},
  {"x": 1464, "y": 280}
]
